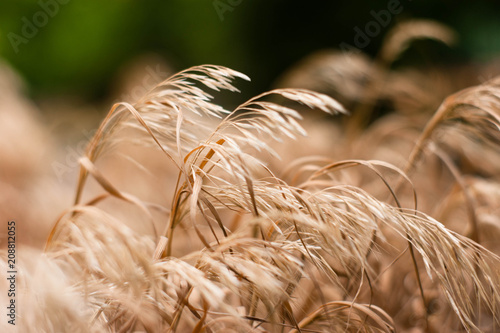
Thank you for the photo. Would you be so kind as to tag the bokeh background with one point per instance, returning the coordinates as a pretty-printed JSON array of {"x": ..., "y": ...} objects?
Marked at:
[{"x": 81, "y": 50}]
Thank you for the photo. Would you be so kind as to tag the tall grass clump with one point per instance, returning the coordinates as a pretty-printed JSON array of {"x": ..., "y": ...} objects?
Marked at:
[{"x": 239, "y": 249}]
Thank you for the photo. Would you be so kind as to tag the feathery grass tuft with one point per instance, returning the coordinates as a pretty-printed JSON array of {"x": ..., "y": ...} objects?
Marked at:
[{"x": 239, "y": 248}]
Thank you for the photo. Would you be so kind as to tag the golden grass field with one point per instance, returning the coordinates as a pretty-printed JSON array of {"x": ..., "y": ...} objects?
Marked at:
[{"x": 298, "y": 211}]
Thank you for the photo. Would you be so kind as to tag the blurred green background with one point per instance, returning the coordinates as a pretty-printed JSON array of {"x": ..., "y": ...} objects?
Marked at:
[{"x": 84, "y": 42}]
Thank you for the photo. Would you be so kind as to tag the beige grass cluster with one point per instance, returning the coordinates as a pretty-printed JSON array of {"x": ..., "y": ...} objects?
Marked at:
[{"x": 322, "y": 244}]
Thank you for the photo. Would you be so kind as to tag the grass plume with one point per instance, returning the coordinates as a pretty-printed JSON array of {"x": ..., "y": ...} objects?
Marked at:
[{"x": 240, "y": 249}]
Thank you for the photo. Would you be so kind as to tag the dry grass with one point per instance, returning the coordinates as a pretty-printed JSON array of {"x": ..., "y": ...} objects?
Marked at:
[{"x": 390, "y": 232}]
